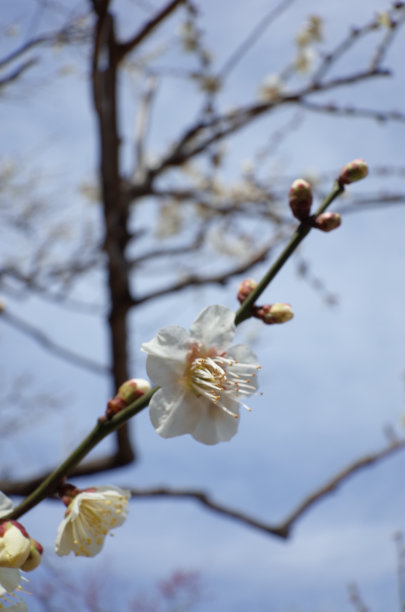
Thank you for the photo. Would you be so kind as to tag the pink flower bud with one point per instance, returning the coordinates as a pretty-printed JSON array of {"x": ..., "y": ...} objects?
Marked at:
[
  {"x": 300, "y": 199},
  {"x": 245, "y": 289},
  {"x": 127, "y": 393},
  {"x": 328, "y": 221},
  {"x": 355, "y": 170},
  {"x": 274, "y": 313},
  {"x": 34, "y": 558}
]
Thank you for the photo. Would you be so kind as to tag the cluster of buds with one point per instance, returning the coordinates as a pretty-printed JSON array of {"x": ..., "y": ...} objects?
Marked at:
[
  {"x": 127, "y": 393},
  {"x": 300, "y": 197},
  {"x": 300, "y": 200},
  {"x": 268, "y": 313},
  {"x": 17, "y": 549}
]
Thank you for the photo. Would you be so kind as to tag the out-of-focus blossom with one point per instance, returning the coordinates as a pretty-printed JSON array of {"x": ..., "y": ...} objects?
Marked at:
[
  {"x": 89, "y": 517},
  {"x": 271, "y": 88}
]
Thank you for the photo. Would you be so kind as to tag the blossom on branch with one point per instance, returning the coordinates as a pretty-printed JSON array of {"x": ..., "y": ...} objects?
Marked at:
[
  {"x": 14, "y": 544},
  {"x": 90, "y": 515},
  {"x": 202, "y": 380},
  {"x": 11, "y": 545}
]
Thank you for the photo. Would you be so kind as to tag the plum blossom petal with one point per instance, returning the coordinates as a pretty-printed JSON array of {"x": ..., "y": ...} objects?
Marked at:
[
  {"x": 10, "y": 579},
  {"x": 89, "y": 517},
  {"x": 174, "y": 415},
  {"x": 214, "y": 326},
  {"x": 6, "y": 505},
  {"x": 202, "y": 381}
]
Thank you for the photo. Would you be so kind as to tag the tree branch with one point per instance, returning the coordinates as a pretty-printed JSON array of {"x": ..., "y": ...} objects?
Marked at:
[
  {"x": 126, "y": 47},
  {"x": 61, "y": 352},
  {"x": 193, "y": 280},
  {"x": 283, "y": 529}
]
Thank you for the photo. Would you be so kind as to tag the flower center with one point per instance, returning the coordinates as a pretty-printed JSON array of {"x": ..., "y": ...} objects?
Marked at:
[{"x": 218, "y": 378}]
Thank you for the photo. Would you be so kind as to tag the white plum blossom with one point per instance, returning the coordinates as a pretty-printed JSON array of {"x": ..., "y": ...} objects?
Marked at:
[
  {"x": 10, "y": 578},
  {"x": 202, "y": 380},
  {"x": 89, "y": 517}
]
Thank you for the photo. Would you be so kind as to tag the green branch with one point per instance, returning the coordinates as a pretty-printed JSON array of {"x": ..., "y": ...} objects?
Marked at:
[
  {"x": 100, "y": 431},
  {"x": 303, "y": 230}
]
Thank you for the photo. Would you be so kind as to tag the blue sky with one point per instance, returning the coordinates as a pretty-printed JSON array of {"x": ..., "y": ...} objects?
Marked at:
[{"x": 332, "y": 377}]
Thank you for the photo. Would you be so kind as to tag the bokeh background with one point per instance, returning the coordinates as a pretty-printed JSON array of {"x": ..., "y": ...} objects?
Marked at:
[{"x": 331, "y": 379}]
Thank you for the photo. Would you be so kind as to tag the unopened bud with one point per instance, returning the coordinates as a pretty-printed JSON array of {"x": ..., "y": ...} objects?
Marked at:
[
  {"x": 246, "y": 287},
  {"x": 328, "y": 221},
  {"x": 127, "y": 393},
  {"x": 355, "y": 170},
  {"x": 34, "y": 558},
  {"x": 14, "y": 544},
  {"x": 300, "y": 199},
  {"x": 274, "y": 313}
]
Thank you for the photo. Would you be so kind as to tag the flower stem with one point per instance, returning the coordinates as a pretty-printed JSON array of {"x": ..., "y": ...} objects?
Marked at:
[
  {"x": 100, "y": 431},
  {"x": 303, "y": 230}
]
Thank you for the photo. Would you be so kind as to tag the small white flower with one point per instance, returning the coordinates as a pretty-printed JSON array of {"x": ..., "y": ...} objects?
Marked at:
[
  {"x": 10, "y": 578},
  {"x": 202, "y": 381},
  {"x": 271, "y": 88},
  {"x": 88, "y": 519}
]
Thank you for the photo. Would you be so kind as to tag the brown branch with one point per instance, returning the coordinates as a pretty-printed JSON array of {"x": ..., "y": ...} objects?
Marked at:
[
  {"x": 253, "y": 37},
  {"x": 283, "y": 529},
  {"x": 199, "y": 137},
  {"x": 387, "y": 41},
  {"x": 51, "y": 346},
  {"x": 220, "y": 279},
  {"x": 126, "y": 47},
  {"x": 172, "y": 251},
  {"x": 104, "y": 65},
  {"x": 353, "y": 111},
  {"x": 13, "y": 76},
  {"x": 66, "y": 34}
]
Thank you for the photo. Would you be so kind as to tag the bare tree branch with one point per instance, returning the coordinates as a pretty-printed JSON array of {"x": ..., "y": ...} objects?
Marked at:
[
  {"x": 221, "y": 278},
  {"x": 126, "y": 47},
  {"x": 59, "y": 351},
  {"x": 283, "y": 529},
  {"x": 15, "y": 74},
  {"x": 353, "y": 111}
]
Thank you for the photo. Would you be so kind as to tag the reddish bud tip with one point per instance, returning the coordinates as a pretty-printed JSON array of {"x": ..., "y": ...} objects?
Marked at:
[
  {"x": 300, "y": 199},
  {"x": 355, "y": 170},
  {"x": 328, "y": 221},
  {"x": 127, "y": 393},
  {"x": 246, "y": 287}
]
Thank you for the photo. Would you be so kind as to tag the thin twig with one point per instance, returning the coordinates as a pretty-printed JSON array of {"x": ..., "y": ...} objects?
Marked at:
[
  {"x": 252, "y": 37},
  {"x": 42, "y": 339},
  {"x": 193, "y": 280},
  {"x": 126, "y": 47}
]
